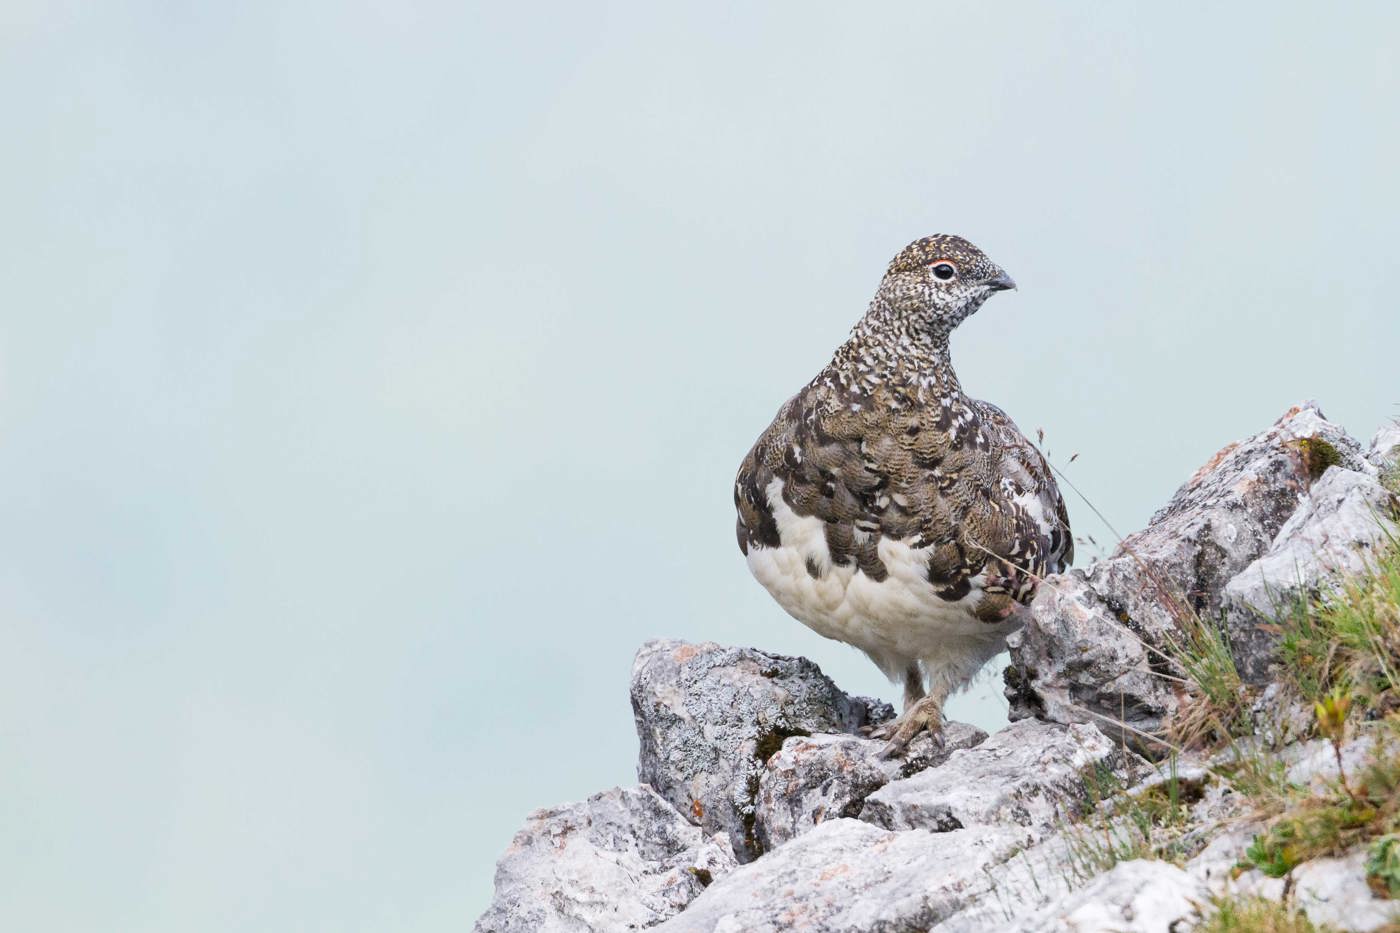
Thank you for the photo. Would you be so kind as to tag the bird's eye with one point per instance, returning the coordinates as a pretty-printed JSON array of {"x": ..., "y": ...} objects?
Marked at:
[{"x": 944, "y": 271}]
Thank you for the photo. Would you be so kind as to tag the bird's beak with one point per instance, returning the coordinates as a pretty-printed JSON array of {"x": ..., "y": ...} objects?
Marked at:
[{"x": 1000, "y": 282}]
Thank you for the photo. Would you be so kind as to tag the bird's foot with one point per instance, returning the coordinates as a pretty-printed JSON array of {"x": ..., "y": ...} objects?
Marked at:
[{"x": 925, "y": 715}]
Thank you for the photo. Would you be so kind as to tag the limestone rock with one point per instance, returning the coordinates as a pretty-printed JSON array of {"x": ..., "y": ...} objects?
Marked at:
[
  {"x": 1333, "y": 892},
  {"x": 1384, "y": 452},
  {"x": 1345, "y": 518},
  {"x": 1075, "y": 661},
  {"x": 822, "y": 777},
  {"x": 1280, "y": 716},
  {"x": 1094, "y": 640},
  {"x": 846, "y": 875},
  {"x": 623, "y": 859},
  {"x": 709, "y": 718},
  {"x": 1140, "y": 896},
  {"x": 1314, "y": 764},
  {"x": 1031, "y": 774},
  {"x": 1027, "y": 881},
  {"x": 1217, "y": 865}
]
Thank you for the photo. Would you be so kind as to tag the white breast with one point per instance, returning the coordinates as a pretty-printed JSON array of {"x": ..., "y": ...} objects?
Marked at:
[{"x": 896, "y": 620}]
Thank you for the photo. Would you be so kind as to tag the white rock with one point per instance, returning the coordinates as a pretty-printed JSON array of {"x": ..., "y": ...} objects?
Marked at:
[
  {"x": 623, "y": 859},
  {"x": 1076, "y": 662},
  {"x": 709, "y": 717},
  {"x": 1030, "y": 879},
  {"x": 1094, "y": 640},
  {"x": 1215, "y": 866},
  {"x": 1132, "y": 897},
  {"x": 822, "y": 777},
  {"x": 1333, "y": 891},
  {"x": 1314, "y": 764},
  {"x": 1384, "y": 451},
  {"x": 846, "y": 875},
  {"x": 1031, "y": 774},
  {"x": 1280, "y": 716},
  {"x": 1336, "y": 531}
]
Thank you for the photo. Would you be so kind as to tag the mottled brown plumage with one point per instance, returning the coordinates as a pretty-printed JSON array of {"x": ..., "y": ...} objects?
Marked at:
[{"x": 882, "y": 460}]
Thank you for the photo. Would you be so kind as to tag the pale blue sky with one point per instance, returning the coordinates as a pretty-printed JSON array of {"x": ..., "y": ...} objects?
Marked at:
[{"x": 373, "y": 375}]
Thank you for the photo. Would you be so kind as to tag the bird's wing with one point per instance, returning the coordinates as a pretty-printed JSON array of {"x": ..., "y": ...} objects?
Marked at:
[
  {"x": 1032, "y": 533},
  {"x": 956, "y": 478}
]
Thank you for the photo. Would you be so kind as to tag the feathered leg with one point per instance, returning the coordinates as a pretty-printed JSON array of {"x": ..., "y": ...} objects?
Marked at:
[{"x": 923, "y": 712}]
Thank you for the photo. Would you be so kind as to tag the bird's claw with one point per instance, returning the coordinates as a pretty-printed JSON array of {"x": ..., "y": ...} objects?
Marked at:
[{"x": 924, "y": 716}]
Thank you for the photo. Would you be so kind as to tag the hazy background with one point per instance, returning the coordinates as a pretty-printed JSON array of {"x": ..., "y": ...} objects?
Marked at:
[{"x": 373, "y": 375}]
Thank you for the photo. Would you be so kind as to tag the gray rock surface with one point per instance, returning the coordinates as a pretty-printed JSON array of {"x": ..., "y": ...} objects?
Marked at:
[
  {"x": 1132, "y": 897},
  {"x": 846, "y": 875},
  {"x": 1384, "y": 451},
  {"x": 1314, "y": 764},
  {"x": 709, "y": 717},
  {"x": 1217, "y": 865},
  {"x": 821, "y": 777},
  {"x": 1076, "y": 662},
  {"x": 623, "y": 859},
  {"x": 1341, "y": 523},
  {"x": 1028, "y": 880},
  {"x": 1094, "y": 640},
  {"x": 1280, "y": 716},
  {"x": 1031, "y": 774}
]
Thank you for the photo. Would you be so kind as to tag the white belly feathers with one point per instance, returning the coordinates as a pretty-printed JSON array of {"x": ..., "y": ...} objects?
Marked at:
[{"x": 897, "y": 618}]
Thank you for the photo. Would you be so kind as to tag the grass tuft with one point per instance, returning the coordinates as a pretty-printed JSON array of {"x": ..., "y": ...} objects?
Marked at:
[
  {"x": 1348, "y": 640},
  {"x": 1122, "y": 824},
  {"x": 1214, "y": 708},
  {"x": 1256, "y": 915}
]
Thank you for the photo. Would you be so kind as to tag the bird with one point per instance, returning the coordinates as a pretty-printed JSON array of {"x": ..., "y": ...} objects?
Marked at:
[{"x": 887, "y": 509}]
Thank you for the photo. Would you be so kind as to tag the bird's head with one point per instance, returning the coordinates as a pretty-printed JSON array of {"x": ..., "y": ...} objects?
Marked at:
[{"x": 940, "y": 280}]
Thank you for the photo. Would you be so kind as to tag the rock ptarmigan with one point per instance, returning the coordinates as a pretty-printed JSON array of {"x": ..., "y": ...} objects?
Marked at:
[{"x": 885, "y": 508}]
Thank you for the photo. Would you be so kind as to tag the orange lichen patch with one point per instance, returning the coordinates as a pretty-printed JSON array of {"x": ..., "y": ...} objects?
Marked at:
[
  {"x": 697, "y": 810},
  {"x": 685, "y": 653},
  {"x": 1213, "y": 462}
]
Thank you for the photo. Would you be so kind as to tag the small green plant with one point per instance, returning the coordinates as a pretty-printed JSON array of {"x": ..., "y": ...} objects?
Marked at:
[
  {"x": 1315, "y": 828},
  {"x": 1352, "y": 811},
  {"x": 1272, "y": 855},
  {"x": 1383, "y": 866}
]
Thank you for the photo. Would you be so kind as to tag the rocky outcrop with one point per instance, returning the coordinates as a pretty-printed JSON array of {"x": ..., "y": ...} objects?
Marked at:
[
  {"x": 1384, "y": 451},
  {"x": 1333, "y": 892},
  {"x": 621, "y": 860},
  {"x": 1097, "y": 645},
  {"x": 1077, "y": 661},
  {"x": 848, "y": 875},
  {"x": 824, "y": 777},
  {"x": 1132, "y": 897},
  {"x": 709, "y": 718},
  {"x": 1345, "y": 518},
  {"x": 765, "y": 807},
  {"x": 1031, "y": 775}
]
